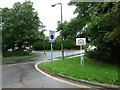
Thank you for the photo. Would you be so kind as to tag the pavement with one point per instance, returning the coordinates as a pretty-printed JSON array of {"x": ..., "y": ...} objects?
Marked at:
[{"x": 22, "y": 74}]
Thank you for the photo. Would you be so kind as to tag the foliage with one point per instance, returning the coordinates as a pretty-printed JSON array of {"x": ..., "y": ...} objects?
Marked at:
[
  {"x": 20, "y": 26},
  {"x": 100, "y": 30},
  {"x": 98, "y": 22},
  {"x": 69, "y": 44},
  {"x": 57, "y": 43},
  {"x": 15, "y": 53},
  {"x": 39, "y": 44},
  {"x": 42, "y": 43}
]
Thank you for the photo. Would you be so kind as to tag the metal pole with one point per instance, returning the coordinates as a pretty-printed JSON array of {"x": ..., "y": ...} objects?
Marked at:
[
  {"x": 51, "y": 52},
  {"x": 80, "y": 54},
  {"x": 62, "y": 47},
  {"x": 44, "y": 44},
  {"x": 81, "y": 58},
  {"x": 61, "y": 13}
]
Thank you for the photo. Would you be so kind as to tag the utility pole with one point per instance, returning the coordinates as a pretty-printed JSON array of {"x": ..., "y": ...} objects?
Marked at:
[
  {"x": 62, "y": 46},
  {"x": 44, "y": 44}
]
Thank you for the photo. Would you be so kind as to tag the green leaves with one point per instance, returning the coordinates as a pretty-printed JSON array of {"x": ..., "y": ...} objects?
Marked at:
[
  {"x": 97, "y": 21},
  {"x": 20, "y": 25}
]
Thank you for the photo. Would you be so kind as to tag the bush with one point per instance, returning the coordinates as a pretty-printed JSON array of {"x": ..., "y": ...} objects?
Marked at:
[
  {"x": 103, "y": 56},
  {"x": 90, "y": 54},
  {"x": 15, "y": 53}
]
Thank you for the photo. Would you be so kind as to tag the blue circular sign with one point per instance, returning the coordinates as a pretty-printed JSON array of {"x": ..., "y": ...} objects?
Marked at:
[{"x": 52, "y": 36}]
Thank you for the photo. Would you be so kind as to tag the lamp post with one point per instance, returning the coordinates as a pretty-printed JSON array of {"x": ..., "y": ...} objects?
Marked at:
[
  {"x": 44, "y": 44},
  {"x": 61, "y": 22},
  {"x": 43, "y": 39}
]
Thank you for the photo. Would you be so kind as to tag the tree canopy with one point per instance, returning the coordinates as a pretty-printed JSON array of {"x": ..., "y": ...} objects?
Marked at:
[
  {"x": 99, "y": 23},
  {"x": 20, "y": 26}
]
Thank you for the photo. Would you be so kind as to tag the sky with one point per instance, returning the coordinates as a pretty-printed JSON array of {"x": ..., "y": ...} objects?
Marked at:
[{"x": 48, "y": 15}]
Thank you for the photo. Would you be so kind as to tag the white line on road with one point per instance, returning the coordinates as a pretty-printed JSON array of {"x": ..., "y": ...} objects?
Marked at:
[
  {"x": 18, "y": 64},
  {"x": 12, "y": 65}
]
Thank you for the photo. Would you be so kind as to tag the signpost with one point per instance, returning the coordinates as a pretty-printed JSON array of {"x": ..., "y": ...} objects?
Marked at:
[
  {"x": 80, "y": 42},
  {"x": 51, "y": 40}
]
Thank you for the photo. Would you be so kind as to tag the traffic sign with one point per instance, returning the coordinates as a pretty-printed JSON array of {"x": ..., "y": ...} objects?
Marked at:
[
  {"x": 51, "y": 39},
  {"x": 51, "y": 36},
  {"x": 80, "y": 41}
]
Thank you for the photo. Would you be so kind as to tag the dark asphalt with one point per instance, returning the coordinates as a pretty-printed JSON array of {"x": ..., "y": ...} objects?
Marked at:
[
  {"x": 42, "y": 57},
  {"x": 22, "y": 74}
]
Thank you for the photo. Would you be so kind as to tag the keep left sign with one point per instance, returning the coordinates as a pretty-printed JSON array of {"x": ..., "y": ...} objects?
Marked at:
[
  {"x": 80, "y": 41},
  {"x": 51, "y": 36}
]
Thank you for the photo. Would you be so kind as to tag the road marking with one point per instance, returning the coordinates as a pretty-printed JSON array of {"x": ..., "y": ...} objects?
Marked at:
[
  {"x": 63, "y": 81},
  {"x": 12, "y": 65},
  {"x": 19, "y": 63},
  {"x": 26, "y": 63}
]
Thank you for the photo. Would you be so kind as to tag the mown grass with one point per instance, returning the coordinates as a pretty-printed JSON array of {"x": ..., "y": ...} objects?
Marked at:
[
  {"x": 94, "y": 71},
  {"x": 18, "y": 57}
]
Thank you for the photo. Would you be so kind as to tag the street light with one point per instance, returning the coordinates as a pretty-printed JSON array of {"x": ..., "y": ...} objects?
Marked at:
[
  {"x": 44, "y": 40},
  {"x": 61, "y": 22},
  {"x": 44, "y": 44}
]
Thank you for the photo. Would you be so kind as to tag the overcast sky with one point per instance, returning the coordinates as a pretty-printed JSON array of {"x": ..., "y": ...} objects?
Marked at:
[{"x": 47, "y": 14}]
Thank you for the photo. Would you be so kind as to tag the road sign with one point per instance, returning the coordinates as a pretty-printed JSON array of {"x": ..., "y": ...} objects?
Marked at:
[
  {"x": 51, "y": 36},
  {"x": 51, "y": 39},
  {"x": 80, "y": 41}
]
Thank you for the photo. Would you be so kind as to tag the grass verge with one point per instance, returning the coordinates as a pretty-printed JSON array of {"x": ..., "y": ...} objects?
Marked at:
[
  {"x": 19, "y": 57},
  {"x": 94, "y": 71}
]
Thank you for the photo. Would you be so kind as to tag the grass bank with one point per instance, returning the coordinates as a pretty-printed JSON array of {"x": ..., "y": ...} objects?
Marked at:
[{"x": 94, "y": 71}]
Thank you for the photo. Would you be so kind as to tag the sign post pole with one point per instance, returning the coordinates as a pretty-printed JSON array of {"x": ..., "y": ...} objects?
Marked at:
[
  {"x": 51, "y": 39},
  {"x": 51, "y": 52},
  {"x": 81, "y": 57}
]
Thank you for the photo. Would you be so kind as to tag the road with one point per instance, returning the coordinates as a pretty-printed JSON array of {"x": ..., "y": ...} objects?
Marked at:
[{"x": 22, "y": 74}]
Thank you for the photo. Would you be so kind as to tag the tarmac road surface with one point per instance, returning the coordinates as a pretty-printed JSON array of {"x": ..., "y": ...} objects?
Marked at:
[{"x": 22, "y": 74}]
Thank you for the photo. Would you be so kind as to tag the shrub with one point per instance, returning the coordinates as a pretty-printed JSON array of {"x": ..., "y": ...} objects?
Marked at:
[{"x": 15, "y": 53}]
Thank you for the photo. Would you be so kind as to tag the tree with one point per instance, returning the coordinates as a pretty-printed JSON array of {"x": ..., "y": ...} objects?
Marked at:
[
  {"x": 102, "y": 31},
  {"x": 99, "y": 23},
  {"x": 42, "y": 42},
  {"x": 57, "y": 43},
  {"x": 20, "y": 26}
]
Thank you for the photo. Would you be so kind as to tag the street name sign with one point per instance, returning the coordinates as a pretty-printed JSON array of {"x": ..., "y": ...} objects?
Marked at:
[{"x": 80, "y": 41}]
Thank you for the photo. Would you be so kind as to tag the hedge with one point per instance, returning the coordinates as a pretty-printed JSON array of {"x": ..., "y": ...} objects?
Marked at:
[{"x": 15, "y": 53}]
